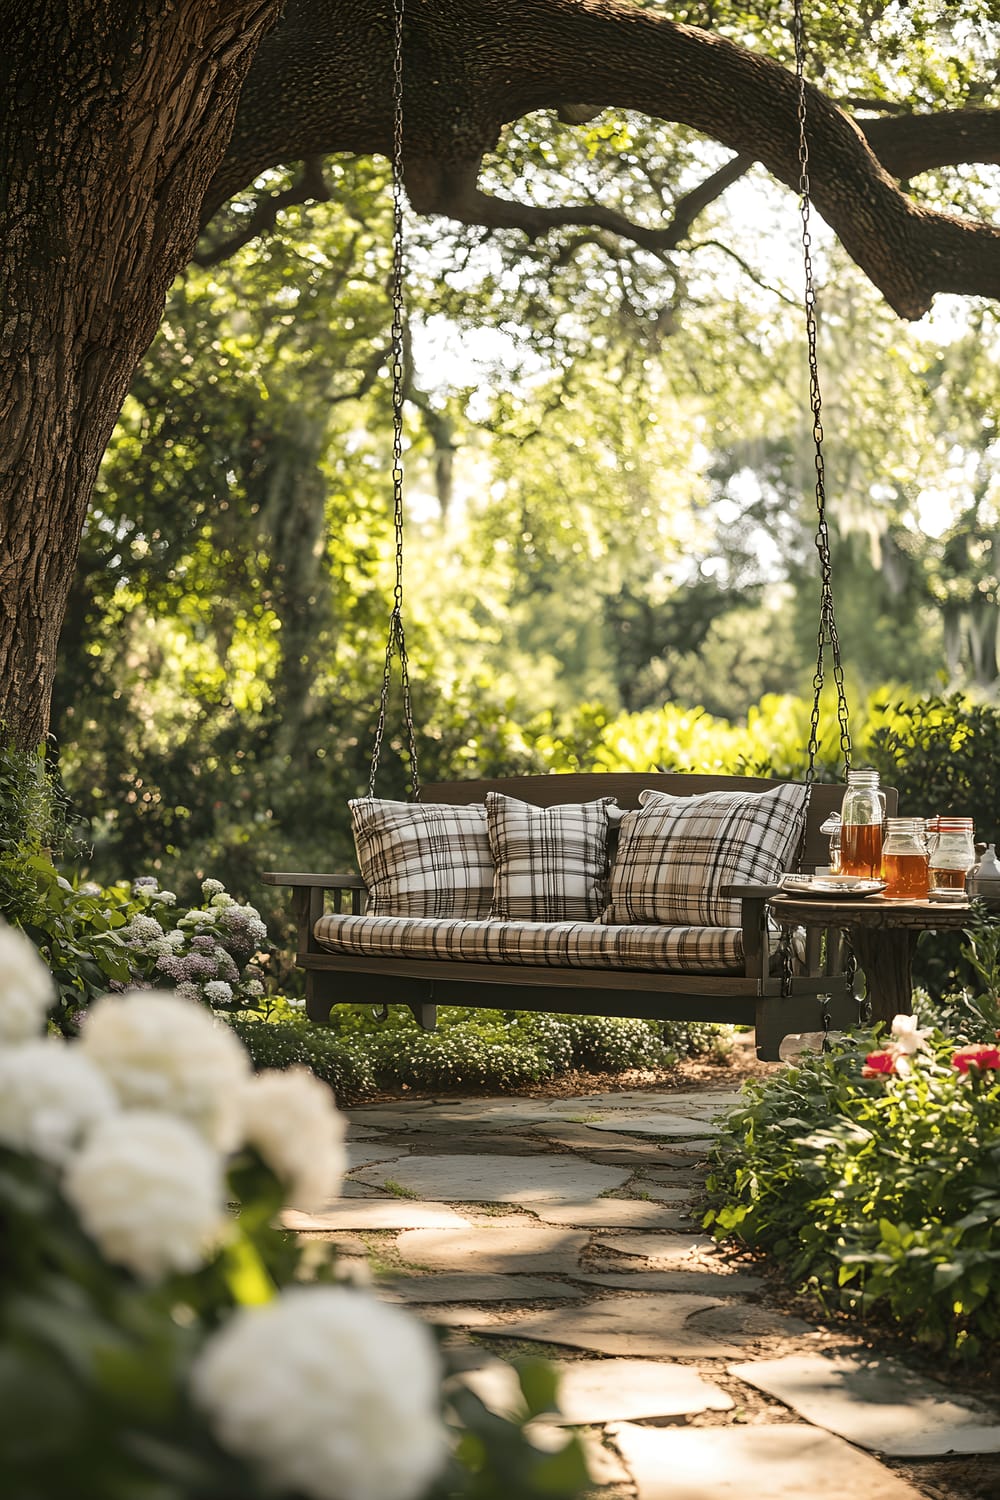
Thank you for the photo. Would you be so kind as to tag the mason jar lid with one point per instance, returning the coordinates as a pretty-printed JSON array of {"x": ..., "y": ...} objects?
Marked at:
[
  {"x": 904, "y": 825},
  {"x": 953, "y": 825}
]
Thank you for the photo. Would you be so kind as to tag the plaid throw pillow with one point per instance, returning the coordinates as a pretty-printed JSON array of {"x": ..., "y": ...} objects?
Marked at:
[
  {"x": 551, "y": 862},
  {"x": 420, "y": 860},
  {"x": 676, "y": 853}
]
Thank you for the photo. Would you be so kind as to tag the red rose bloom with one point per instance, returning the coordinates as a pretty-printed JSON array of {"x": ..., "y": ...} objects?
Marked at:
[
  {"x": 983, "y": 1057},
  {"x": 878, "y": 1064}
]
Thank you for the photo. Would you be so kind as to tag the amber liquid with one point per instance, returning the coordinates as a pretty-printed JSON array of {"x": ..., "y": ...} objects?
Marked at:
[
  {"x": 947, "y": 880},
  {"x": 905, "y": 877},
  {"x": 861, "y": 850}
]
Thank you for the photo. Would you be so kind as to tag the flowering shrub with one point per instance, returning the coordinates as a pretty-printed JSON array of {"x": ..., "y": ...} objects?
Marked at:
[
  {"x": 875, "y": 1179},
  {"x": 157, "y": 1343},
  {"x": 205, "y": 953}
]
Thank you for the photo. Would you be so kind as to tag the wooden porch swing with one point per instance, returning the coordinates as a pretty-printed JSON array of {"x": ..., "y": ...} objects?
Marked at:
[{"x": 767, "y": 986}]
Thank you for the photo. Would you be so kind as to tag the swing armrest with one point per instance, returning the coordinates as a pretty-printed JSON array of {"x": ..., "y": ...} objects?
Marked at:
[
  {"x": 309, "y": 899},
  {"x": 754, "y": 892},
  {"x": 753, "y": 901}
]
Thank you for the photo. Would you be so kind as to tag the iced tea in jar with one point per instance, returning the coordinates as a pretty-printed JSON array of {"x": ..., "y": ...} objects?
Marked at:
[
  {"x": 952, "y": 854},
  {"x": 861, "y": 817},
  {"x": 904, "y": 860}
]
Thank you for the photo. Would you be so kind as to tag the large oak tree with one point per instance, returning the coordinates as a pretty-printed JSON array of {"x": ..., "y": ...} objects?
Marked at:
[{"x": 124, "y": 127}]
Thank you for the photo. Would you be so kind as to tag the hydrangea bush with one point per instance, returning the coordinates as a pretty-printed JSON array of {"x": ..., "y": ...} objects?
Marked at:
[
  {"x": 161, "y": 1337},
  {"x": 205, "y": 953}
]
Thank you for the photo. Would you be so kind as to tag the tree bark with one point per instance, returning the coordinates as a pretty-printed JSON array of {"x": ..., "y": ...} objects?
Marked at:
[{"x": 110, "y": 130}]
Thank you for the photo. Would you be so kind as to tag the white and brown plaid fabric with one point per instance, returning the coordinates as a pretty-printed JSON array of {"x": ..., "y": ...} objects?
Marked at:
[
  {"x": 423, "y": 860},
  {"x": 676, "y": 853},
  {"x": 551, "y": 863},
  {"x": 560, "y": 945}
]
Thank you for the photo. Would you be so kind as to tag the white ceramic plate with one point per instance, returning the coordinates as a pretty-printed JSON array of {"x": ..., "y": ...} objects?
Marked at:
[{"x": 830, "y": 887}]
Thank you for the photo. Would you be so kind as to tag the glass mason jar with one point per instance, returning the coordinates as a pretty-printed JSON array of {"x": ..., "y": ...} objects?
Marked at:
[
  {"x": 904, "y": 860},
  {"x": 861, "y": 816},
  {"x": 952, "y": 854}
]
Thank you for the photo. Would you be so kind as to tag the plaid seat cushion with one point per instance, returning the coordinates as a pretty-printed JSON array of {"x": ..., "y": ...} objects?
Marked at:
[
  {"x": 421, "y": 860},
  {"x": 576, "y": 945},
  {"x": 551, "y": 863},
  {"x": 675, "y": 854}
]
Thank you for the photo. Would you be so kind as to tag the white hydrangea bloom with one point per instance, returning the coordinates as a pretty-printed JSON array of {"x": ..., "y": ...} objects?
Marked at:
[
  {"x": 142, "y": 929},
  {"x": 160, "y": 1051},
  {"x": 211, "y": 888},
  {"x": 49, "y": 1096},
  {"x": 290, "y": 1117},
  {"x": 150, "y": 1191},
  {"x": 333, "y": 1393},
  {"x": 176, "y": 939},
  {"x": 26, "y": 988},
  {"x": 222, "y": 899},
  {"x": 218, "y": 992}
]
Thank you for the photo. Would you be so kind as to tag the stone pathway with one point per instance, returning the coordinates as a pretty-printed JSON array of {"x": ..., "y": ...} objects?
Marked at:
[{"x": 572, "y": 1224}]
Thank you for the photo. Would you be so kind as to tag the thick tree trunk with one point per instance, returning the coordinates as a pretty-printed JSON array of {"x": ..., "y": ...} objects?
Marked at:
[{"x": 112, "y": 121}]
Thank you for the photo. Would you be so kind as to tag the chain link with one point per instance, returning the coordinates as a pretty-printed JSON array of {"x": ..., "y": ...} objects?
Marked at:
[
  {"x": 396, "y": 640},
  {"x": 827, "y": 622}
]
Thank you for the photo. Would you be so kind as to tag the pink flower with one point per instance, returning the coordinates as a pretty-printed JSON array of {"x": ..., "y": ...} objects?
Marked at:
[{"x": 980, "y": 1057}]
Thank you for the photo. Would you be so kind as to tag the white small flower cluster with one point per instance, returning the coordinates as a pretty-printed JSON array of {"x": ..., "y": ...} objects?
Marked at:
[{"x": 136, "y": 1117}]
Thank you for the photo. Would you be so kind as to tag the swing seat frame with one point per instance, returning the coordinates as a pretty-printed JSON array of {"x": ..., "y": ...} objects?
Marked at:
[{"x": 817, "y": 995}]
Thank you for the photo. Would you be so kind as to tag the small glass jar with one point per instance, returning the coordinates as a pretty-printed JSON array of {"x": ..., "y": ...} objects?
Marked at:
[
  {"x": 831, "y": 827},
  {"x": 861, "y": 815},
  {"x": 904, "y": 860},
  {"x": 952, "y": 855}
]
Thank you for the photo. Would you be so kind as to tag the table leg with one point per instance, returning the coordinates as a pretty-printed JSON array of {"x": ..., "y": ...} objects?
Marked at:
[{"x": 885, "y": 954}]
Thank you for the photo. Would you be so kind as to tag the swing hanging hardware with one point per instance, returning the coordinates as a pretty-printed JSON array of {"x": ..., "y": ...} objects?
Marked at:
[
  {"x": 396, "y": 638},
  {"x": 827, "y": 633}
]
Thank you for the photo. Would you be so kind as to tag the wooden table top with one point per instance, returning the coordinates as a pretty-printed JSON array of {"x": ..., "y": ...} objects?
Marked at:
[{"x": 869, "y": 911}]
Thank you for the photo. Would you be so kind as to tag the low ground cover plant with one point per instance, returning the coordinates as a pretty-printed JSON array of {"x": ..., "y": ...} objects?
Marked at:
[
  {"x": 481, "y": 1049},
  {"x": 871, "y": 1173}
]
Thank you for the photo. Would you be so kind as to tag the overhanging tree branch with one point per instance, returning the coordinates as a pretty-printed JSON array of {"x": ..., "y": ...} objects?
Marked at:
[
  {"x": 320, "y": 84},
  {"x": 437, "y": 188}
]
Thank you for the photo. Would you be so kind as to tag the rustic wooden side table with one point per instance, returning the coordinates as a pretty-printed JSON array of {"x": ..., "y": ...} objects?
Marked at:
[{"x": 883, "y": 935}]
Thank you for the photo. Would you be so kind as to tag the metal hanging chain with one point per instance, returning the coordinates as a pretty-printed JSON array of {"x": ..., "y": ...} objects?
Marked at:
[
  {"x": 827, "y": 621},
  {"x": 396, "y": 639}
]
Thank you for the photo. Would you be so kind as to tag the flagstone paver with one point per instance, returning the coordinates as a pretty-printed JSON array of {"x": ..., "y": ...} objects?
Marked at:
[
  {"x": 876, "y": 1403},
  {"x": 711, "y": 1283},
  {"x": 732, "y": 1463},
  {"x": 481, "y": 1287},
  {"x": 606, "y": 1390},
  {"x": 657, "y": 1326},
  {"x": 505, "y": 1251},
  {"x": 377, "y": 1213},
  {"x": 660, "y": 1250},
  {"x": 497, "y": 1179},
  {"x": 613, "y": 1213},
  {"x": 365, "y": 1153},
  {"x": 657, "y": 1125}
]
